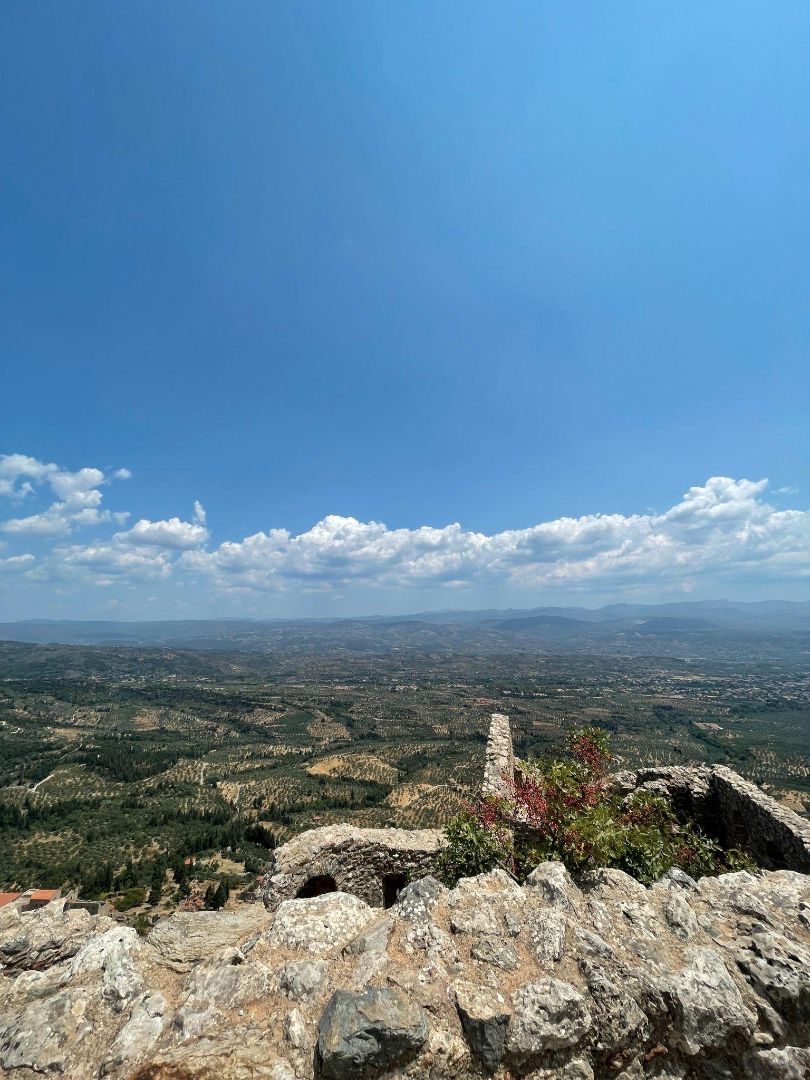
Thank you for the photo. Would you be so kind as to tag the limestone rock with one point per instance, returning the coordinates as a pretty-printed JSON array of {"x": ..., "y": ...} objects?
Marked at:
[
  {"x": 36, "y": 940},
  {"x": 140, "y": 1033},
  {"x": 321, "y": 925},
  {"x": 554, "y": 883},
  {"x": 491, "y": 903},
  {"x": 375, "y": 1030},
  {"x": 417, "y": 900},
  {"x": 45, "y": 1036},
  {"x": 300, "y": 980},
  {"x": 496, "y": 951},
  {"x": 547, "y": 1015},
  {"x": 484, "y": 1017},
  {"x": 710, "y": 1004},
  {"x": 598, "y": 979},
  {"x": 190, "y": 936},
  {"x": 780, "y": 971}
]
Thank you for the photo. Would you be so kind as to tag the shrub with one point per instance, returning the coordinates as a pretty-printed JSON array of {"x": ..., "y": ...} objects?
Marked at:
[
  {"x": 133, "y": 897},
  {"x": 563, "y": 809}
]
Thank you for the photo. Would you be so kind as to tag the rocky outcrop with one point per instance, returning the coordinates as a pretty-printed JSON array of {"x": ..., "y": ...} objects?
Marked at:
[{"x": 598, "y": 978}]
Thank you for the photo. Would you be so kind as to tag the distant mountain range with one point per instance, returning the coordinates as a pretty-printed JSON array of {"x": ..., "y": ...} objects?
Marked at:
[{"x": 707, "y": 627}]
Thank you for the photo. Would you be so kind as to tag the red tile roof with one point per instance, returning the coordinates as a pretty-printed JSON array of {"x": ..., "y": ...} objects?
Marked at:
[
  {"x": 44, "y": 894},
  {"x": 8, "y": 897}
]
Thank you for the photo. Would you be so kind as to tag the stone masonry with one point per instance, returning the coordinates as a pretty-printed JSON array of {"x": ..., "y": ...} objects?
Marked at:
[
  {"x": 373, "y": 864},
  {"x": 499, "y": 760}
]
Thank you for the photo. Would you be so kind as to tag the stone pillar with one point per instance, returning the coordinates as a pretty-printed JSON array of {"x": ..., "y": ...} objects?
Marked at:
[{"x": 499, "y": 762}]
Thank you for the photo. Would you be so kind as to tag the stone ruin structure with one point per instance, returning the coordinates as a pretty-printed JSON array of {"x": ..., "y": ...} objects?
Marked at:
[
  {"x": 376, "y": 864},
  {"x": 728, "y": 808},
  {"x": 601, "y": 978}
]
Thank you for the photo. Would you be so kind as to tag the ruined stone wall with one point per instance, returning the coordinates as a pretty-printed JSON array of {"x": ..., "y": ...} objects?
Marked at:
[
  {"x": 746, "y": 817},
  {"x": 374, "y": 864},
  {"x": 363, "y": 862},
  {"x": 499, "y": 761},
  {"x": 732, "y": 810}
]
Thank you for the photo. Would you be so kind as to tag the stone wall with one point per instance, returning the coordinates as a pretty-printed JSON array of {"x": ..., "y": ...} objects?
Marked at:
[
  {"x": 746, "y": 817},
  {"x": 373, "y": 864},
  {"x": 732, "y": 810},
  {"x": 499, "y": 761}
]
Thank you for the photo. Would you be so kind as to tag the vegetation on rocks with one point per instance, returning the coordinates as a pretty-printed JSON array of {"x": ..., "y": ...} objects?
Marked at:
[{"x": 564, "y": 809}]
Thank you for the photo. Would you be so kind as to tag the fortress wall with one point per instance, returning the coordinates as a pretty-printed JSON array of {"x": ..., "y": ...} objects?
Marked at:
[{"x": 374, "y": 864}]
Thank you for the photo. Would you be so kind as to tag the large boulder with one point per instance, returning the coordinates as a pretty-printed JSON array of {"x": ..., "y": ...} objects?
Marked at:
[
  {"x": 322, "y": 925},
  {"x": 372, "y": 1031}
]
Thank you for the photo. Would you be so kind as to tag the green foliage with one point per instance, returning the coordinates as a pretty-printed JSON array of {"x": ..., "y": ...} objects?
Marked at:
[
  {"x": 143, "y": 924},
  {"x": 562, "y": 809},
  {"x": 133, "y": 897},
  {"x": 471, "y": 848}
]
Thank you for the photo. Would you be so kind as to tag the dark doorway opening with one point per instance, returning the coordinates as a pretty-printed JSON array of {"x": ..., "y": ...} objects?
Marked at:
[
  {"x": 393, "y": 884},
  {"x": 317, "y": 886}
]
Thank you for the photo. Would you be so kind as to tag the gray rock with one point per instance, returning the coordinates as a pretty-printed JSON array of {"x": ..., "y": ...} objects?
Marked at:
[
  {"x": 190, "y": 936},
  {"x": 45, "y": 1035},
  {"x": 374, "y": 938},
  {"x": 227, "y": 985},
  {"x": 618, "y": 1021},
  {"x": 578, "y": 1068},
  {"x": 115, "y": 954},
  {"x": 710, "y": 1005},
  {"x": 40, "y": 939},
  {"x": 554, "y": 884},
  {"x": 677, "y": 878},
  {"x": 322, "y": 925},
  {"x": 300, "y": 980},
  {"x": 418, "y": 899},
  {"x": 374, "y": 1030},
  {"x": 680, "y": 917},
  {"x": 140, "y": 1033},
  {"x": 546, "y": 1015},
  {"x": 495, "y": 950},
  {"x": 295, "y": 1030},
  {"x": 786, "y": 1063},
  {"x": 491, "y": 903},
  {"x": 484, "y": 1018},
  {"x": 779, "y": 970},
  {"x": 547, "y": 935}
]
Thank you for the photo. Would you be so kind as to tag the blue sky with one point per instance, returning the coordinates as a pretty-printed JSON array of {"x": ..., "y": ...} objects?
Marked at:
[{"x": 501, "y": 265}]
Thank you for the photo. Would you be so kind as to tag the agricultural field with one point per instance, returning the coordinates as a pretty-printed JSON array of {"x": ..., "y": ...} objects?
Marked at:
[{"x": 127, "y": 768}]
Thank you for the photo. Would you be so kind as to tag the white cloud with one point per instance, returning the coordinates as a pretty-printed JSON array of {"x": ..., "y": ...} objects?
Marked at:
[
  {"x": 110, "y": 560},
  {"x": 16, "y": 562},
  {"x": 725, "y": 530},
  {"x": 122, "y": 474},
  {"x": 174, "y": 533},
  {"x": 19, "y": 467},
  {"x": 723, "y": 527},
  {"x": 78, "y": 497}
]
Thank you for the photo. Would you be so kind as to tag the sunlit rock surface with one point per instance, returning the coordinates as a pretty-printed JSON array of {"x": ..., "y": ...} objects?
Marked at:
[{"x": 599, "y": 978}]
